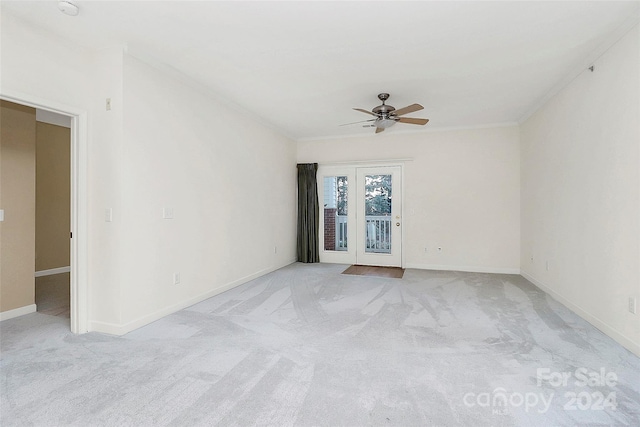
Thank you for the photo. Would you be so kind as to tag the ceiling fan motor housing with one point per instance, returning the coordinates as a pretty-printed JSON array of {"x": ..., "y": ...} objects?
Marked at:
[{"x": 383, "y": 110}]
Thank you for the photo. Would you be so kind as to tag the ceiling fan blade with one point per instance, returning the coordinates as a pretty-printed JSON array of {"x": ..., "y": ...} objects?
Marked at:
[
  {"x": 413, "y": 121},
  {"x": 365, "y": 111},
  {"x": 409, "y": 109},
  {"x": 378, "y": 130},
  {"x": 362, "y": 121}
]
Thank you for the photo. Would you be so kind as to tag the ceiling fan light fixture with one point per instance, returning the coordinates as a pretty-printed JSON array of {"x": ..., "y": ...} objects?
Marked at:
[{"x": 385, "y": 123}]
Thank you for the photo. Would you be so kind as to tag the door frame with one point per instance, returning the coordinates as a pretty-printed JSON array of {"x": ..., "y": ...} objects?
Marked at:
[
  {"x": 79, "y": 287},
  {"x": 339, "y": 169}
]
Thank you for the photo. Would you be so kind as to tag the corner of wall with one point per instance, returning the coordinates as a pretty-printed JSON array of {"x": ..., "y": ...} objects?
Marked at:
[{"x": 580, "y": 193}]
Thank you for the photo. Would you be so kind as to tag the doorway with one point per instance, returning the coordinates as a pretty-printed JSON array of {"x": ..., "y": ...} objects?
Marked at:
[
  {"x": 361, "y": 215},
  {"x": 35, "y": 196},
  {"x": 53, "y": 213},
  {"x": 79, "y": 230}
]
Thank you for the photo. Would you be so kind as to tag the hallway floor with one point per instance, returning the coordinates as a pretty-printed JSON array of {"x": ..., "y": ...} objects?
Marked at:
[{"x": 52, "y": 295}]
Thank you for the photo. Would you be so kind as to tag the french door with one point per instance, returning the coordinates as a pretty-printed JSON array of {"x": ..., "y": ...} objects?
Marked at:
[{"x": 361, "y": 215}]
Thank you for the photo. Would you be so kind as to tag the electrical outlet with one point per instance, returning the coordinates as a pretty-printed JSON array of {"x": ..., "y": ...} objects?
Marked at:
[
  {"x": 426, "y": 249},
  {"x": 108, "y": 106},
  {"x": 176, "y": 278},
  {"x": 167, "y": 213},
  {"x": 632, "y": 305},
  {"x": 108, "y": 215}
]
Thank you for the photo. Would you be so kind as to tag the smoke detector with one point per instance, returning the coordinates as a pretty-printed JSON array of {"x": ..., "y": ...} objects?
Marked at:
[{"x": 68, "y": 8}]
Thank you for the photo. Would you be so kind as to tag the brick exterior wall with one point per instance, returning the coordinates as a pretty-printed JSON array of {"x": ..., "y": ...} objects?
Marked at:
[{"x": 330, "y": 229}]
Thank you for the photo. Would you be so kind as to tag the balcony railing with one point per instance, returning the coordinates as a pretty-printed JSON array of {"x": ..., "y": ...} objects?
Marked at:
[
  {"x": 341, "y": 232},
  {"x": 377, "y": 238},
  {"x": 378, "y": 234}
]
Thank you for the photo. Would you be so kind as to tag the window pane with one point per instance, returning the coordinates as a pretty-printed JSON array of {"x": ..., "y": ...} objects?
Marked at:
[{"x": 335, "y": 213}]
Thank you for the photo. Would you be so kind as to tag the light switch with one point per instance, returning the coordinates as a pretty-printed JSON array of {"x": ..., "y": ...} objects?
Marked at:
[
  {"x": 167, "y": 213},
  {"x": 1, "y": 214},
  {"x": 108, "y": 215}
]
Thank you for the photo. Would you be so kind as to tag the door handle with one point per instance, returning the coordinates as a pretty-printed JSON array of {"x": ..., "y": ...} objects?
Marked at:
[{"x": 397, "y": 224}]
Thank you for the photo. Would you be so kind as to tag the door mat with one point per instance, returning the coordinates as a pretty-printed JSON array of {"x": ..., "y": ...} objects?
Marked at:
[{"x": 367, "y": 270}]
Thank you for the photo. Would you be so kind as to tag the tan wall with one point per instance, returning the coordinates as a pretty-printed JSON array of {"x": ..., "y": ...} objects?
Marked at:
[
  {"x": 17, "y": 198},
  {"x": 52, "y": 196}
]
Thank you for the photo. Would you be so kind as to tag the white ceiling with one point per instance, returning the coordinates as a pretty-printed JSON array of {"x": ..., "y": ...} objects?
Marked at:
[{"x": 302, "y": 66}]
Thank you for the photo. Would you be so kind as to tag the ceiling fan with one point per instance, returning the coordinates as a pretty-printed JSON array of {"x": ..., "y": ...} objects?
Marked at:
[{"x": 386, "y": 115}]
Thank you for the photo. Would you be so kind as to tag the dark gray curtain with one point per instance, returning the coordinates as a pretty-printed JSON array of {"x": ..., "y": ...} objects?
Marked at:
[{"x": 308, "y": 213}]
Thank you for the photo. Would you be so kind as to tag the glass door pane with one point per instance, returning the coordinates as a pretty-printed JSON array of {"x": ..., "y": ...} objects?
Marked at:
[
  {"x": 379, "y": 216},
  {"x": 377, "y": 213},
  {"x": 335, "y": 213}
]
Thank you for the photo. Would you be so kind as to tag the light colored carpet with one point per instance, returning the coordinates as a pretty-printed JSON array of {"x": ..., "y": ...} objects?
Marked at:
[{"x": 306, "y": 346}]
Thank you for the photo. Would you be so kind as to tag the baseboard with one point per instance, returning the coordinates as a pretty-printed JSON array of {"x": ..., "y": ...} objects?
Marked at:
[
  {"x": 469, "y": 269},
  {"x": 16, "y": 312},
  {"x": 595, "y": 321},
  {"x": 121, "y": 329},
  {"x": 52, "y": 271}
]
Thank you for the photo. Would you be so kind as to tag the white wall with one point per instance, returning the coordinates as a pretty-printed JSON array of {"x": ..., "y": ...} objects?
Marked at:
[
  {"x": 461, "y": 193},
  {"x": 52, "y": 118},
  {"x": 580, "y": 193},
  {"x": 40, "y": 66},
  {"x": 105, "y": 189},
  {"x": 33, "y": 59},
  {"x": 230, "y": 181}
]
